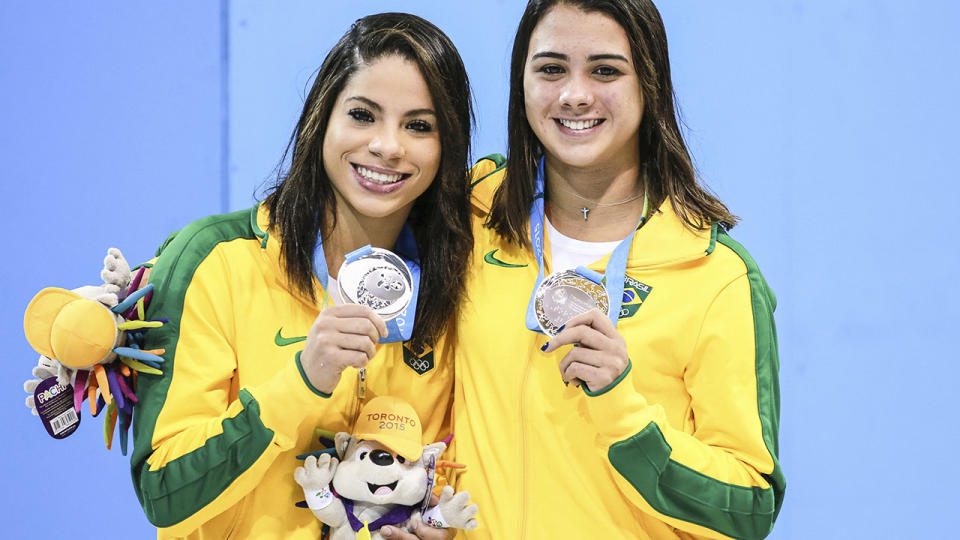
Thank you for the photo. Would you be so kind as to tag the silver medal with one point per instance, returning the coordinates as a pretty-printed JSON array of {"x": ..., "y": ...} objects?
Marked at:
[
  {"x": 564, "y": 295},
  {"x": 379, "y": 280}
]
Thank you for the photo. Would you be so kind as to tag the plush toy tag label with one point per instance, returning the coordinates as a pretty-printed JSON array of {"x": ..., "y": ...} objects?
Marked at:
[
  {"x": 434, "y": 518},
  {"x": 431, "y": 465},
  {"x": 318, "y": 500},
  {"x": 55, "y": 406}
]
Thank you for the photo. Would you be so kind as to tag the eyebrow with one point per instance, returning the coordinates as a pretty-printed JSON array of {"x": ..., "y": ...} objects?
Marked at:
[
  {"x": 591, "y": 58},
  {"x": 376, "y": 106},
  {"x": 595, "y": 57},
  {"x": 418, "y": 112},
  {"x": 369, "y": 102},
  {"x": 549, "y": 54}
]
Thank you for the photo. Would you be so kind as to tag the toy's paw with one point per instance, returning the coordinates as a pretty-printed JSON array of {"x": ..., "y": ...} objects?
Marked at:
[
  {"x": 64, "y": 374},
  {"x": 30, "y": 386},
  {"x": 45, "y": 368},
  {"x": 116, "y": 272},
  {"x": 456, "y": 510},
  {"x": 108, "y": 299},
  {"x": 316, "y": 472},
  {"x": 102, "y": 294}
]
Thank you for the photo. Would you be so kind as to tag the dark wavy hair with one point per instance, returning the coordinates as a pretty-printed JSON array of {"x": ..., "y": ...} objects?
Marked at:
[
  {"x": 663, "y": 154},
  {"x": 302, "y": 203}
]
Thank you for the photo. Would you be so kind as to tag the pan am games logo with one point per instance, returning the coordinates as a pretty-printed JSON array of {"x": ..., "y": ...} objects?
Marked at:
[{"x": 634, "y": 293}]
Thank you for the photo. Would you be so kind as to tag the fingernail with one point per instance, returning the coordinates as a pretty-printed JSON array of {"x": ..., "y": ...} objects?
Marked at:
[
  {"x": 386, "y": 531},
  {"x": 561, "y": 328},
  {"x": 545, "y": 345}
]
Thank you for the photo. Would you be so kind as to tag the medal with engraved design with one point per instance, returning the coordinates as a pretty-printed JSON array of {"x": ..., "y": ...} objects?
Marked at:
[
  {"x": 564, "y": 295},
  {"x": 379, "y": 280}
]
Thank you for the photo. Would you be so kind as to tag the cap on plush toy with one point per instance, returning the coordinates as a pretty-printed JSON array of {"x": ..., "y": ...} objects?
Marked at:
[
  {"x": 393, "y": 423},
  {"x": 63, "y": 325}
]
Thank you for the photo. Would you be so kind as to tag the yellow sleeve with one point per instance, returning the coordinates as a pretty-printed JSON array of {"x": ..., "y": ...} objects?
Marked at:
[
  {"x": 723, "y": 480},
  {"x": 201, "y": 443}
]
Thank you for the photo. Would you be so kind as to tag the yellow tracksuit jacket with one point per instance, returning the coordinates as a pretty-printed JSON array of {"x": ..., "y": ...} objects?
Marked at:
[
  {"x": 217, "y": 435},
  {"x": 683, "y": 445}
]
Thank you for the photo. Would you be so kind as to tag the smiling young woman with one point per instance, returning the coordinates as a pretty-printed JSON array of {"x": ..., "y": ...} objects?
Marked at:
[
  {"x": 382, "y": 149},
  {"x": 659, "y": 419},
  {"x": 378, "y": 157}
]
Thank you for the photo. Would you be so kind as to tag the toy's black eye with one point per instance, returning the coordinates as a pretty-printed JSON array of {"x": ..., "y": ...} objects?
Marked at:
[
  {"x": 363, "y": 455},
  {"x": 401, "y": 460}
]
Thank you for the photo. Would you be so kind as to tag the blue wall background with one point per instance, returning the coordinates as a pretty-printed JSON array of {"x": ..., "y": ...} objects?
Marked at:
[{"x": 829, "y": 126}]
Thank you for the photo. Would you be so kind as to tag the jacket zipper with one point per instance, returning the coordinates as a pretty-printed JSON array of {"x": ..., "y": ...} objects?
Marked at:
[
  {"x": 523, "y": 448},
  {"x": 361, "y": 395}
]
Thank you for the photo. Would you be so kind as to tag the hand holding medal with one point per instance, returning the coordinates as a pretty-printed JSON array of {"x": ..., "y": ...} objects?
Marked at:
[
  {"x": 380, "y": 290},
  {"x": 599, "y": 354},
  {"x": 341, "y": 336},
  {"x": 572, "y": 308},
  {"x": 580, "y": 308}
]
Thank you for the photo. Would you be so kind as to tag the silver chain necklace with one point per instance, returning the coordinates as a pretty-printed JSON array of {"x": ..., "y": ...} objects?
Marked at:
[{"x": 586, "y": 210}]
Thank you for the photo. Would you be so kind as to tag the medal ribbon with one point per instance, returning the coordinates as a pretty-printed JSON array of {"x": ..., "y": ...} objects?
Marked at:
[
  {"x": 400, "y": 328},
  {"x": 616, "y": 270}
]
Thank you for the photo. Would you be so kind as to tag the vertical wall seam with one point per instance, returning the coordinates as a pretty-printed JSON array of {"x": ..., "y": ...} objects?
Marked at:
[{"x": 224, "y": 106}]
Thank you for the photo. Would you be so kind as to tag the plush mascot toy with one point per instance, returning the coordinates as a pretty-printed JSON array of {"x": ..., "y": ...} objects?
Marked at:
[
  {"x": 383, "y": 477},
  {"x": 89, "y": 340}
]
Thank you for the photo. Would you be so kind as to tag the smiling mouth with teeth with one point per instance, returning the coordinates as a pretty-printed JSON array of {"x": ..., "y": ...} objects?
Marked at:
[
  {"x": 579, "y": 124},
  {"x": 382, "y": 489},
  {"x": 378, "y": 177}
]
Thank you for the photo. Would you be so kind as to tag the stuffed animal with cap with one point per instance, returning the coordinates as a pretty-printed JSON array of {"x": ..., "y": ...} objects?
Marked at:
[
  {"x": 382, "y": 477},
  {"x": 89, "y": 338}
]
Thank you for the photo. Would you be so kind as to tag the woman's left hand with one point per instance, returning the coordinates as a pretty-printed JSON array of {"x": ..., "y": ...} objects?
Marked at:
[{"x": 599, "y": 354}]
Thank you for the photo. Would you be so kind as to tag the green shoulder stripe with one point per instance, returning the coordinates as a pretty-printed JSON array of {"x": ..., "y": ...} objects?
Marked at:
[
  {"x": 186, "y": 484},
  {"x": 713, "y": 237},
  {"x": 683, "y": 493},
  {"x": 166, "y": 243},
  {"x": 768, "y": 361},
  {"x": 498, "y": 160}
]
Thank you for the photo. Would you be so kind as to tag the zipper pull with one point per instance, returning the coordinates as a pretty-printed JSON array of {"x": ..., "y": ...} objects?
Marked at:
[
  {"x": 361, "y": 393},
  {"x": 362, "y": 384}
]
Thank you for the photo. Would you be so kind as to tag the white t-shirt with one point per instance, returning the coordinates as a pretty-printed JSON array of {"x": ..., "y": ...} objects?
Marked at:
[
  {"x": 568, "y": 253},
  {"x": 334, "y": 291}
]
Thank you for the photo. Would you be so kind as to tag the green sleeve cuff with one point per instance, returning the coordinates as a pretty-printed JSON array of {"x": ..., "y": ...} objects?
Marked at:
[
  {"x": 288, "y": 390},
  {"x": 306, "y": 380},
  {"x": 610, "y": 386},
  {"x": 619, "y": 410}
]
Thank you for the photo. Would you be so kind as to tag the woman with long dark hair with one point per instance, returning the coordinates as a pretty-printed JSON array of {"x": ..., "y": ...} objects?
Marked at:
[
  {"x": 657, "y": 415},
  {"x": 258, "y": 338}
]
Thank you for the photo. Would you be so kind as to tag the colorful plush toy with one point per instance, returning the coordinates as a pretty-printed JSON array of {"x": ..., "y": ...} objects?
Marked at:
[
  {"x": 384, "y": 476},
  {"x": 89, "y": 339}
]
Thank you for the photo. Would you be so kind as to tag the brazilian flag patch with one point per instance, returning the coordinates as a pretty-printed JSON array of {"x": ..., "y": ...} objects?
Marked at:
[
  {"x": 421, "y": 363},
  {"x": 634, "y": 293}
]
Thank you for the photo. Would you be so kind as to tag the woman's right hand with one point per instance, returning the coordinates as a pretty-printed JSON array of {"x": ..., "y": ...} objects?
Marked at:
[{"x": 341, "y": 336}]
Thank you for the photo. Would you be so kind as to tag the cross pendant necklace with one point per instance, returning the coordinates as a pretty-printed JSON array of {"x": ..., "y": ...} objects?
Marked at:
[{"x": 586, "y": 211}]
